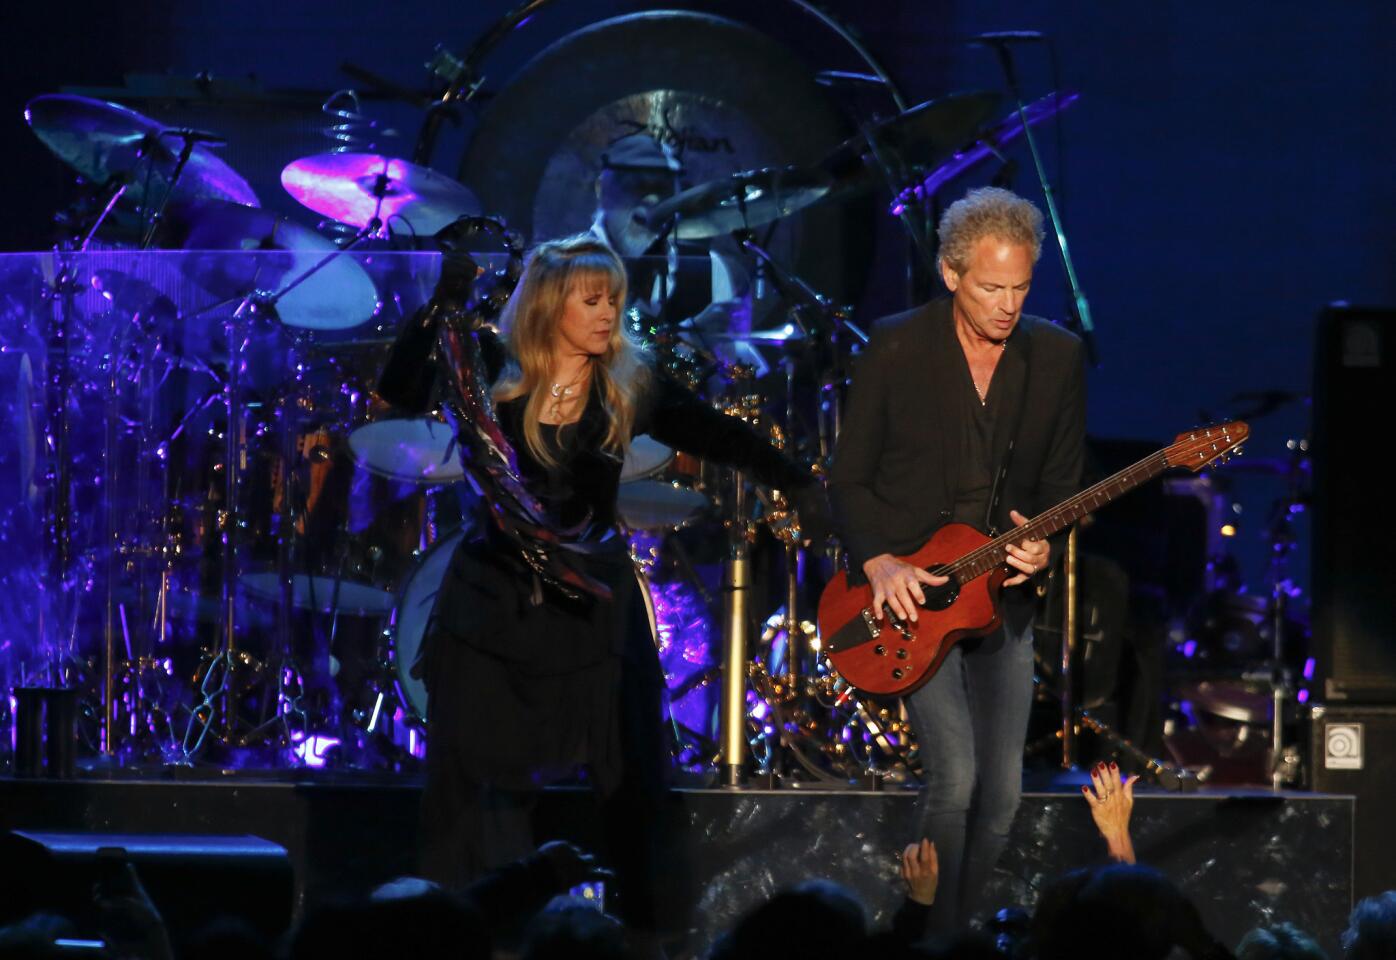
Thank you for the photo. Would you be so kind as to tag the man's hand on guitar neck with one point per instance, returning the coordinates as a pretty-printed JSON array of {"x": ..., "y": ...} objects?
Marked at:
[
  {"x": 1028, "y": 556},
  {"x": 898, "y": 584}
]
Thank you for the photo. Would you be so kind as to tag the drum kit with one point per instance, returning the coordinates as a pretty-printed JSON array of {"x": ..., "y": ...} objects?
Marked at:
[{"x": 264, "y": 540}]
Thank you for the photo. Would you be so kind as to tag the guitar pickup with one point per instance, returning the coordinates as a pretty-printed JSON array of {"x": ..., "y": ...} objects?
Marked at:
[{"x": 874, "y": 628}]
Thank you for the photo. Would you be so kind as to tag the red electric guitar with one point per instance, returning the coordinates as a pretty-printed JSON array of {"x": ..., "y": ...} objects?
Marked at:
[{"x": 896, "y": 657}]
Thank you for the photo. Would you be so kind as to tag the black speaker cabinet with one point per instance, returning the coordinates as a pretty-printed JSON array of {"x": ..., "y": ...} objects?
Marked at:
[
  {"x": 1353, "y": 750},
  {"x": 190, "y": 879},
  {"x": 1354, "y": 603}
]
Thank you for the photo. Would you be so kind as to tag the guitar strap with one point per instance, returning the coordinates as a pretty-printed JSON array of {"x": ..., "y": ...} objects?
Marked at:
[{"x": 1001, "y": 475}]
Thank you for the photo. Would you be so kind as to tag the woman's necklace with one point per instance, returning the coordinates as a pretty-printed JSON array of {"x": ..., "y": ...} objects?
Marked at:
[{"x": 562, "y": 394}]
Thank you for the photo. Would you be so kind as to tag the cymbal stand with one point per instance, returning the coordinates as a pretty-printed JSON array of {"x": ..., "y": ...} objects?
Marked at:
[
  {"x": 146, "y": 719},
  {"x": 1282, "y": 686},
  {"x": 58, "y": 614},
  {"x": 736, "y": 638},
  {"x": 1080, "y": 307},
  {"x": 1075, "y": 718},
  {"x": 1071, "y": 632},
  {"x": 113, "y": 190}
]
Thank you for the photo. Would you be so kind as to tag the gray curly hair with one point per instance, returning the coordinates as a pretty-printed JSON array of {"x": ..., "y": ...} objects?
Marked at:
[{"x": 987, "y": 212}]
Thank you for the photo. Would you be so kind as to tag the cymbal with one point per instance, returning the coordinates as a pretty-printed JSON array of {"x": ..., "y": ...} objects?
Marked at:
[
  {"x": 786, "y": 334},
  {"x": 354, "y": 188},
  {"x": 925, "y": 134},
  {"x": 103, "y": 141},
  {"x": 337, "y": 296},
  {"x": 985, "y": 144},
  {"x": 747, "y": 199}
]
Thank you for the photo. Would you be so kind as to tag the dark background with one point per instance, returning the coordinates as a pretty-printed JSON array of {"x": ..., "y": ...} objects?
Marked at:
[{"x": 1227, "y": 172}]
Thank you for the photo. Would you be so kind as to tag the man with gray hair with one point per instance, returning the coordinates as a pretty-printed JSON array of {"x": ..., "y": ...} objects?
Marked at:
[{"x": 964, "y": 410}]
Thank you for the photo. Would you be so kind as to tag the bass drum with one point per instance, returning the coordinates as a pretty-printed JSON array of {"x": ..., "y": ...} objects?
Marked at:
[
  {"x": 724, "y": 96},
  {"x": 413, "y": 612}
]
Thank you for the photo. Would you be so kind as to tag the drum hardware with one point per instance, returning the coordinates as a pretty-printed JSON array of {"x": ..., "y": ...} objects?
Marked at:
[
  {"x": 1002, "y": 47},
  {"x": 125, "y": 154},
  {"x": 315, "y": 286},
  {"x": 991, "y": 142},
  {"x": 225, "y": 225},
  {"x": 736, "y": 634},
  {"x": 350, "y": 128},
  {"x": 1075, "y": 717}
]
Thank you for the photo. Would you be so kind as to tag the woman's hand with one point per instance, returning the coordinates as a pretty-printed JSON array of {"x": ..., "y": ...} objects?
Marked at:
[{"x": 1111, "y": 801}]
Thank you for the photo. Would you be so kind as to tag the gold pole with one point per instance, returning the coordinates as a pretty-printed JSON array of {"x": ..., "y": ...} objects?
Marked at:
[
  {"x": 1070, "y": 625},
  {"x": 736, "y": 625},
  {"x": 736, "y": 629}
]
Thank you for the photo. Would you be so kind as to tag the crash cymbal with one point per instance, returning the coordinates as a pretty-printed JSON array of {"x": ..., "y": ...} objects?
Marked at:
[
  {"x": 922, "y": 136},
  {"x": 354, "y": 188},
  {"x": 103, "y": 141},
  {"x": 337, "y": 296},
  {"x": 984, "y": 145},
  {"x": 743, "y": 200}
]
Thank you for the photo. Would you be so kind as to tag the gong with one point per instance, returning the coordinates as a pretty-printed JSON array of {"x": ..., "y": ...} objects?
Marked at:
[{"x": 723, "y": 96}]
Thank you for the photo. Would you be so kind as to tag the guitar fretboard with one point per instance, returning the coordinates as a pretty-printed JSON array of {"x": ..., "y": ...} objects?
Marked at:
[{"x": 992, "y": 554}]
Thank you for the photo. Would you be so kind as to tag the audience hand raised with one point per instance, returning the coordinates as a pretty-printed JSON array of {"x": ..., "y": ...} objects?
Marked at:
[
  {"x": 1111, "y": 802},
  {"x": 921, "y": 871}
]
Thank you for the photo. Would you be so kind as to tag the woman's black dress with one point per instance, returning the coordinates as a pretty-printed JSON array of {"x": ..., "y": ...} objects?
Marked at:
[{"x": 526, "y": 685}]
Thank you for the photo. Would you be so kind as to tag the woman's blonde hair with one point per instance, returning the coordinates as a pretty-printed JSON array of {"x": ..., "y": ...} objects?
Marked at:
[{"x": 529, "y": 322}]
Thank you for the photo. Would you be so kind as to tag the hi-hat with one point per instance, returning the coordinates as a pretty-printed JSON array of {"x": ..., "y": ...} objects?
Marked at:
[
  {"x": 336, "y": 296},
  {"x": 356, "y": 188},
  {"x": 743, "y": 200},
  {"x": 105, "y": 141}
]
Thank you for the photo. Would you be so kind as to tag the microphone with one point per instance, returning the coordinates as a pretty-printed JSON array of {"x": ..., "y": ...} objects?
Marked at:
[{"x": 190, "y": 135}]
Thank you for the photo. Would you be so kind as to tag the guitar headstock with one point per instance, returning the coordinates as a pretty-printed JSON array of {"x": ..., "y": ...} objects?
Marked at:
[{"x": 1196, "y": 449}]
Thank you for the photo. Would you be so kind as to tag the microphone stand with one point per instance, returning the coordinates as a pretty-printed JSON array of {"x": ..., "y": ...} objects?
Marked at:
[{"x": 1080, "y": 307}]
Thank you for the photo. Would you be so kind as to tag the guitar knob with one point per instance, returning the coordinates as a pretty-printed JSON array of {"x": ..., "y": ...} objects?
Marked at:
[
  {"x": 897, "y": 673},
  {"x": 901, "y": 653},
  {"x": 880, "y": 650}
]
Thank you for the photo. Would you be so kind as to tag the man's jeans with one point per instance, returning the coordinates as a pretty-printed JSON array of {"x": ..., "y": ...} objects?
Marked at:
[{"x": 970, "y": 721}]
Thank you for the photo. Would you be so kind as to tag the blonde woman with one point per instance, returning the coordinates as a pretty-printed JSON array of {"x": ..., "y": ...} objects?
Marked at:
[{"x": 527, "y": 685}]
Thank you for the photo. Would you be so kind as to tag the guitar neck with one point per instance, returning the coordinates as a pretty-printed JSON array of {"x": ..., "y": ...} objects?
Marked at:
[{"x": 994, "y": 553}]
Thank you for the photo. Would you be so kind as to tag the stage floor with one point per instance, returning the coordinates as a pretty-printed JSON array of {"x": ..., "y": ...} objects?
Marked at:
[{"x": 1245, "y": 857}]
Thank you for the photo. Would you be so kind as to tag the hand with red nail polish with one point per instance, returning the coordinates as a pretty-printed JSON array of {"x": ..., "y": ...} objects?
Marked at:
[{"x": 1111, "y": 802}]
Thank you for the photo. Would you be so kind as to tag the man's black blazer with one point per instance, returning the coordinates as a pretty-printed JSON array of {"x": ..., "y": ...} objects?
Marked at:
[{"x": 893, "y": 480}]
